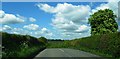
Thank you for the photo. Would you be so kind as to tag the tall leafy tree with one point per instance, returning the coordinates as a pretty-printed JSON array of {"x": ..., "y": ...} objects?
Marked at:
[{"x": 103, "y": 22}]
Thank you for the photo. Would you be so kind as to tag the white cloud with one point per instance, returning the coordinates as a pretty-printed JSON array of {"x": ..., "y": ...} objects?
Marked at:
[
  {"x": 44, "y": 32},
  {"x": 9, "y": 18},
  {"x": 31, "y": 27},
  {"x": 112, "y": 4},
  {"x": 66, "y": 11},
  {"x": 20, "y": 31},
  {"x": 66, "y": 26},
  {"x": 82, "y": 28},
  {"x": 12, "y": 30},
  {"x": 17, "y": 30},
  {"x": 45, "y": 7},
  {"x": 68, "y": 17},
  {"x": 2, "y": 13},
  {"x": 32, "y": 19},
  {"x": 15, "y": 33},
  {"x": 6, "y": 27}
]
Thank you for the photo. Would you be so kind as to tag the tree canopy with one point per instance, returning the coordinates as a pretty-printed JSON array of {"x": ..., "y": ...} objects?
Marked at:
[{"x": 103, "y": 22}]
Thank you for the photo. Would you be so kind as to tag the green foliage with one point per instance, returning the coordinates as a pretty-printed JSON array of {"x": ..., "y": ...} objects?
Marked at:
[
  {"x": 104, "y": 45},
  {"x": 56, "y": 44},
  {"x": 19, "y": 45},
  {"x": 107, "y": 43},
  {"x": 103, "y": 22},
  {"x": 43, "y": 40}
]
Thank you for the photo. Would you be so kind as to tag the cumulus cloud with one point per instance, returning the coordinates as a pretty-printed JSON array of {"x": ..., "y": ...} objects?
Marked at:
[
  {"x": 13, "y": 30},
  {"x": 67, "y": 13},
  {"x": 17, "y": 30},
  {"x": 82, "y": 28},
  {"x": 5, "y": 28},
  {"x": 32, "y": 19},
  {"x": 75, "y": 13},
  {"x": 46, "y": 7},
  {"x": 9, "y": 18},
  {"x": 2, "y": 13},
  {"x": 32, "y": 27},
  {"x": 70, "y": 26},
  {"x": 68, "y": 17},
  {"x": 112, "y": 4},
  {"x": 44, "y": 32},
  {"x": 20, "y": 31}
]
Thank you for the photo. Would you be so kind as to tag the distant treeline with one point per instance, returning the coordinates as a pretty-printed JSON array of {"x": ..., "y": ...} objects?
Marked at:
[
  {"x": 55, "y": 40},
  {"x": 14, "y": 45},
  {"x": 106, "y": 45}
]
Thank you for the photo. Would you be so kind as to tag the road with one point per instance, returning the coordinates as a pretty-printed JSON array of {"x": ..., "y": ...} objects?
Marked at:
[{"x": 64, "y": 52}]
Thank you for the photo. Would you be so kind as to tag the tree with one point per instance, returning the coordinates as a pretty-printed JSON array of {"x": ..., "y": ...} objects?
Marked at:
[
  {"x": 43, "y": 39},
  {"x": 103, "y": 22}
]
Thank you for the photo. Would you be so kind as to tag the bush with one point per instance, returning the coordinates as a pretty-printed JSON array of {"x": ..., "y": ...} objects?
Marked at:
[{"x": 20, "y": 45}]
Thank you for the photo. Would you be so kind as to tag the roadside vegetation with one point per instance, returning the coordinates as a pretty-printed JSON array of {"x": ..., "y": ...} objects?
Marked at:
[
  {"x": 21, "y": 46},
  {"x": 104, "y": 39},
  {"x": 107, "y": 45}
]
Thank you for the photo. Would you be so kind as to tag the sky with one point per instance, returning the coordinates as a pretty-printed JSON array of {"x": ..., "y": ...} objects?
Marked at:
[{"x": 53, "y": 20}]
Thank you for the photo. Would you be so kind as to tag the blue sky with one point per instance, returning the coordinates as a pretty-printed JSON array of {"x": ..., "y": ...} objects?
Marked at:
[{"x": 51, "y": 19}]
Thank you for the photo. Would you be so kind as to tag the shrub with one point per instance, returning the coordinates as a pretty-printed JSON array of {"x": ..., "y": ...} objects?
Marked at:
[{"x": 19, "y": 45}]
